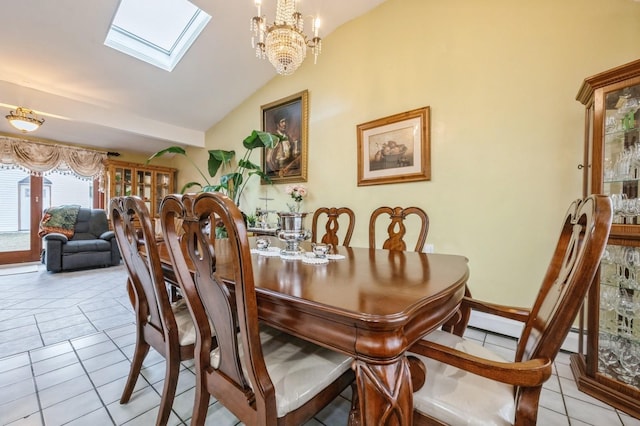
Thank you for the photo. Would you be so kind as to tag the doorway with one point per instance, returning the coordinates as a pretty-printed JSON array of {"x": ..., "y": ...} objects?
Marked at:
[
  {"x": 20, "y": 194},
  {"x": 23, "y": 198}
]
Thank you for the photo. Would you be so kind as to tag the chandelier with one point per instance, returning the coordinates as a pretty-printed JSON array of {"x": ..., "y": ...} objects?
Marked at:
[
  {"x": 284, "y": 42},
  {"x": 24, "y": 120}
]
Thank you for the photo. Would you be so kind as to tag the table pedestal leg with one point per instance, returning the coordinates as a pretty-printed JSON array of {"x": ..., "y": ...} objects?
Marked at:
[{"x": 384, "y": 393}]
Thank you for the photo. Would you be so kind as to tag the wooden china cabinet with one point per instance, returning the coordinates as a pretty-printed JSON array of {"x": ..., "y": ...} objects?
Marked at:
[
  {"x": 607, "y": 366},
  {"x": 151, "y": 183}
]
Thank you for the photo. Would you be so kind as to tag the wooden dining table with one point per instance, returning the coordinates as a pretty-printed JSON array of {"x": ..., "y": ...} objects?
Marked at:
[{"x": 373, "y": 304}]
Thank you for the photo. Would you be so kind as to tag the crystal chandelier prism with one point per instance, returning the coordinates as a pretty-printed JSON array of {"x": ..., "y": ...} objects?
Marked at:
[{"x": 284, "y": 42}]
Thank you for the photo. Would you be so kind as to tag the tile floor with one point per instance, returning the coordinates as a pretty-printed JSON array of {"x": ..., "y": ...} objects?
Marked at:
[{"x": 66, "y": 341}]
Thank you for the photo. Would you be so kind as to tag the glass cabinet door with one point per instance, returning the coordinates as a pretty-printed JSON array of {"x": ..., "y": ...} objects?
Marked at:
[
  {"x": 619, "y": 314},
  {"x": 622, "y": 153},
  {"x": 144, "y": 186},
  {"x": 121, "y": 181},
  {"x": 618, "y": 338},
  {"x": 162, "y": 188},
  {"x": 118, "y": 182}
]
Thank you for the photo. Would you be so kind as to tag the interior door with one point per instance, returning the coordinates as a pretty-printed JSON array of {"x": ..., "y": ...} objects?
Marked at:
[{"x": 21, "y": 202}]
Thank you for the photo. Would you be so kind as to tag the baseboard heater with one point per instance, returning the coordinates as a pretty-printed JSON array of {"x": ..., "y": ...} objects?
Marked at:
[{"x": 511, "y": 328}]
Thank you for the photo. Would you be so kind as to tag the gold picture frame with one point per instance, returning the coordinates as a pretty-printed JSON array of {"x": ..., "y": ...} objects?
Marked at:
[
  {"x": 287, "y": 162},
  {"x": 395, "y": 149}
]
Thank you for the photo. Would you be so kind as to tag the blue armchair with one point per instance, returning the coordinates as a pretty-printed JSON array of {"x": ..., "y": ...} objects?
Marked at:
[{"x": 92, "y": 245}]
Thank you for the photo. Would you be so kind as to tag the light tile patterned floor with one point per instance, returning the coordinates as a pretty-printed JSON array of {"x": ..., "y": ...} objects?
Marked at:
[{"x": 66, "y": 341}]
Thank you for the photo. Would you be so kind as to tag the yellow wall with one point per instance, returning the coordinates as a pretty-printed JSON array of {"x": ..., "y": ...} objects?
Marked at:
[
  {"x": 140, "y": 158},
  {"x": 500, "y": 77}
]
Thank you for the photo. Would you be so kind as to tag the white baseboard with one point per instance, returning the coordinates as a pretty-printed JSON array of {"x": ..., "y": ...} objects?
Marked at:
[{"x": 512, "y": 328}]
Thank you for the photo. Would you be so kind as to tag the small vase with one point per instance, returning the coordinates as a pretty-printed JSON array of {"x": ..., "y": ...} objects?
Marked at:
[{"x": 294, "y": 208}]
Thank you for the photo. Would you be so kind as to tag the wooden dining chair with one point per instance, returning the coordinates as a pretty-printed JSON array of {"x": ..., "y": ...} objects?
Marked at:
[
  {"x": 467, "y": 383},
  {"x": 261, "y": 375},
  {"x": 166, "y": 327},
  {"x": 397, "y": 230},
  {"x": 330, "y": 216}
]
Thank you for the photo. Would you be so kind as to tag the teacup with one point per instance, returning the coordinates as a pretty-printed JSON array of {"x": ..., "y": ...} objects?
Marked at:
[
  {"x": 321, "y": 250},
  {"x": 262, "y": 243}
]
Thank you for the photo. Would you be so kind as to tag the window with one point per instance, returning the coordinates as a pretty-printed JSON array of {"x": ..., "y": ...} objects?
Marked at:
[{"x": 156, "y": 31}]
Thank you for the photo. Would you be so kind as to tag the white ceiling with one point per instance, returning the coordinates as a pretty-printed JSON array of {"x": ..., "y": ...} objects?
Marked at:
[{"x": 53, "y": 60}]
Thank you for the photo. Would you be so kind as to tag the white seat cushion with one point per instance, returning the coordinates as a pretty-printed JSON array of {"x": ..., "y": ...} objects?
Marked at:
[
  {"x": 186, "y": 329},
  {"x": 457, "y": 397},
  {"x": 298, "y": 369}
]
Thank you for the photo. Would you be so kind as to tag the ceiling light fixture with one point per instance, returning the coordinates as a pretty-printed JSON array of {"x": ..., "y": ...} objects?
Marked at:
[
  {"x": 284, "y": 42},
  {"x": 24, "y": 120}
]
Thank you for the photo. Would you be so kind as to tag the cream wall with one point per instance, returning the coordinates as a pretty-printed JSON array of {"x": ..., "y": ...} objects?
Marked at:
[
  {"x": 139, "y": 158},
  {"x": 500, "y": 77}
]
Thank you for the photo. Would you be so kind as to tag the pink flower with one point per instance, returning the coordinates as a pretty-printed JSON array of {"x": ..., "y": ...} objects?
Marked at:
[
  {"x": 297, "y": 192},
  {"x": 289, "y": 189}
]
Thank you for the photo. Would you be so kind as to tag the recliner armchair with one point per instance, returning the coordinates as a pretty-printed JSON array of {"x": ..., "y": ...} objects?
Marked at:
[{"x": 92, "y": 244}]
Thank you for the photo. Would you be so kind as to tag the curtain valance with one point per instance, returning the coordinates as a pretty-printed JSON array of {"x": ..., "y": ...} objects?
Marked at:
[{"x": 38, "y": 158}]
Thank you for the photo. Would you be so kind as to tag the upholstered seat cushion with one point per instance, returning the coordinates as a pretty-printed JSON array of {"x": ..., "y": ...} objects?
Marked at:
[
  {"x": 298, "y": 369},
  {"x": 457, "y": 397},
  {"x": 186, "y": 329},
  {"x": 78, "y": 246}
]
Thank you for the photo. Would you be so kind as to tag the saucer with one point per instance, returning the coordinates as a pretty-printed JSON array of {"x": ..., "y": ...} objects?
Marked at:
[
  {"x": 269, "y": 252},
  {"x": 335, "y": 256},
  {"x": 315, "y": 260}
]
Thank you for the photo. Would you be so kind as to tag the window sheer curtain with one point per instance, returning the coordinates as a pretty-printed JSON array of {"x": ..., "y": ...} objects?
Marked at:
[{"x": 38, "y": 158}]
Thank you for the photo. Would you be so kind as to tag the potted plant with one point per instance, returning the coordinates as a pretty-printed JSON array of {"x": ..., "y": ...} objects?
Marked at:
[{"x": 233, "y": 180}]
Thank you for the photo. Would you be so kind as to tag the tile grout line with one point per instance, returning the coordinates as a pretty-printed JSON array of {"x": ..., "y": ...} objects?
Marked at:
[
  {"x": 93, "y": 385},
  {"x": 564, "y": 401},
  {"x": 35, "y": 387},
  {"x": 35, "y": 319},
  {"x": 137, "y": 381}
]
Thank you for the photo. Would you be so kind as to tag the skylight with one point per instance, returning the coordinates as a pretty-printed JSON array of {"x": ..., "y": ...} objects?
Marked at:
[{"x": 156, "y": 31}]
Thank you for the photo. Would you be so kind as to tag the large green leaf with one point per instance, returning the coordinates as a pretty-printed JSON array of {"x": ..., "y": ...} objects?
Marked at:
[
  {"x": 189, "y": 185},
  {"x": 222, "y": 155},
  {"x": 262, "y": 175},
  {"x": 231, "y": 180},
  {"x": 248, "y": 165},
  {"x": 224, "y": 182},
  {"x": 259, "y": 139},
  {"x": 218, "y": 157},
  {"x": 170, "y": 150}
]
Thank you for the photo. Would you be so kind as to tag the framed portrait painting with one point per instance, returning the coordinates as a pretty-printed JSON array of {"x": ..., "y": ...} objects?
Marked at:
[
  {"x": 395, "y": 149},
  {"x": 288, "y": 118}
]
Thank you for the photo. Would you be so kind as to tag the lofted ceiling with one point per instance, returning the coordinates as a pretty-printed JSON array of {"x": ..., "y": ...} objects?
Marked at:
[{"x": 53, "y": 60}]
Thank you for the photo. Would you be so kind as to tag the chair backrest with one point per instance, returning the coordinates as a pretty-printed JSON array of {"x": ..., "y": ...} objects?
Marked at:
[
  {"x": 135, "y": 236},
  {"x": 249, "y": 392},
  {"x": 90, "y": 224},
  {"x": 332, "y": 225},
  {"x": 397, "y": 230},
  {"x": 572, "y": 269}
]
